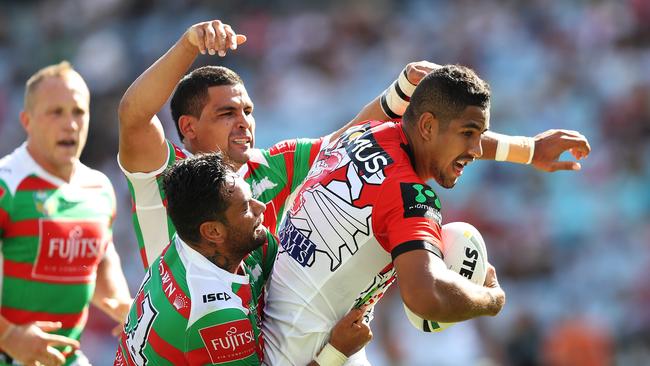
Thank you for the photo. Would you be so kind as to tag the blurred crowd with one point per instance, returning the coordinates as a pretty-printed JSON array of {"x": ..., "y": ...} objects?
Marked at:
[{"x": 572, "y": 250}]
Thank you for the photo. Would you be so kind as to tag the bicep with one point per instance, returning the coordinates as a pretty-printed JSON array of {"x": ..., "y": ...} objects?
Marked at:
[
  {"x": 142, "y": 147},
  {"x": 416, "y": 271}
]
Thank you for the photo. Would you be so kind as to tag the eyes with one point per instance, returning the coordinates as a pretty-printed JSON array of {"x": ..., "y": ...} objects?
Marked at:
[
  {"x": 59, "y": 112},
  {"x": 232, "y": 112}
]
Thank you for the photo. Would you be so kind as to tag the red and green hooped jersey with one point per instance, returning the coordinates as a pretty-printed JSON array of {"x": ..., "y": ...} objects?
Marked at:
[
  {"x": 273, "y": 175},
  {"x": 191, "y": 312},
  {"x": 361, "y": 200},
  {"x": 53, "y": 235}
]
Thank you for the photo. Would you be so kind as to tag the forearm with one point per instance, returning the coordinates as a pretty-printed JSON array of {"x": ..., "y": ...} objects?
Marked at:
[
  {"x": 149, "y": 92},
  {"x": 500, "y": 147},
  {"x": 110, "y": 283},
  {"x": 370, "y": 112},
  {"x": 452, "y": 299}
]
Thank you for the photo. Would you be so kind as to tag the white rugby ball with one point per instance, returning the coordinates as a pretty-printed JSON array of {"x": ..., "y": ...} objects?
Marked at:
[{"x": 464, "y": 253}]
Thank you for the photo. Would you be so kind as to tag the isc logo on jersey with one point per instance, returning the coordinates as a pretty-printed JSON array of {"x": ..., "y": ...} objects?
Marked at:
[
  {"x": 69, "y": 251},
  {"x": 464, "y": 253},
  {"x": 230, "y": 341}
]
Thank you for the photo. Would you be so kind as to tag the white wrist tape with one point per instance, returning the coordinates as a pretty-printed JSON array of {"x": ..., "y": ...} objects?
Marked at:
[
  {"x": 330, "y": 356},
  {"x": 503, "y": 147},
  {"x": 515, "y": 149},
  {"x": 397, "y": 97}
]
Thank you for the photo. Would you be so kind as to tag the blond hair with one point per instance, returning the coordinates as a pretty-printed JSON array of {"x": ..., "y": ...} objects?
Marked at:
[{"x": 63, "y": 69}]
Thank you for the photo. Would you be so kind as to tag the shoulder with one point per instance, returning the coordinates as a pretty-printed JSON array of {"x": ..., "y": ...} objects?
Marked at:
[{"x": 14, "y": 168}]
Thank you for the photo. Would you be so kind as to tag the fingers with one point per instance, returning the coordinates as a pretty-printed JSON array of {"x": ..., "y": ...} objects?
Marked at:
[
  {"x": 116, "y": 330},
  {"x": 563, "y": 165},
  {"x": 54, "y": 357},
  {"x": 48, "y": 326},
  {"x": 59, "y": 340},
  {"x": 353, "y": 315},
  {"x": 214, "y": 37}
]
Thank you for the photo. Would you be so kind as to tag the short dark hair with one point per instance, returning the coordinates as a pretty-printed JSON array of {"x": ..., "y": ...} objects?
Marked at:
[
  {"x": 197, "y": 190},
  {"x": 446, "y": 92},
  {"x": 191, "y": 93}
]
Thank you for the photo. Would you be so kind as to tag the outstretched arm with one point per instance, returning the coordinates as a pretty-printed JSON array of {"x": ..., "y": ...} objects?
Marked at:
[
  {"x": 142, "y": 139},
  {"x": 542, "y": 151},
  {"x": 389, "y": 104}
]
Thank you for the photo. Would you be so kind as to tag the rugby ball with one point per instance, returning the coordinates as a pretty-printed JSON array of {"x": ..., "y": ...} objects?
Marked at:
[{"x": 464, "y": 253}]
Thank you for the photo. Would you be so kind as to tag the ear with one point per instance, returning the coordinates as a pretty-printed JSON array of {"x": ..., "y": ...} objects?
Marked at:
[
  {"x": 213, "y": 232},
  {"x": 24, "y": 120},
  {"x": 427, "y": 126},
  {"x": 186, "y": 123}
]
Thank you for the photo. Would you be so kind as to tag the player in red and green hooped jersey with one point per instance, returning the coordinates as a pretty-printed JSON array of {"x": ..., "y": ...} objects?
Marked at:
[
  {"x": 212, "y": 111},
  {"x": 201, "y": 301},
  {"x": 55, "y": 229}
]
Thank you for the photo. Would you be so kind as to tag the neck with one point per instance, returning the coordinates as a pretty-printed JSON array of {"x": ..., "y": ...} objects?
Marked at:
[
  {"x": 226, "y": 261},
  {"x": 64, "y": 172},
  {"x": 418, "y": 156},
  {"x": 189, "y": 147}
]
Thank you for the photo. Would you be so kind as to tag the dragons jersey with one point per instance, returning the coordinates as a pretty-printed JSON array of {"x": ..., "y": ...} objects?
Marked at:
[
  {"x": 191, "y": 312},
  {"x": 53, "y": 235},
  {"x": 273, "y": 174},
  {"x": 360, "y": 201}
]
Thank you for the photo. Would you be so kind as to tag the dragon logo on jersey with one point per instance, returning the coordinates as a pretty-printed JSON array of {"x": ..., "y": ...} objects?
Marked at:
[
  {"x": 327, "y": 222},
  {"x": 230, "y": 341},
  {"x": 420, "y": 201}
]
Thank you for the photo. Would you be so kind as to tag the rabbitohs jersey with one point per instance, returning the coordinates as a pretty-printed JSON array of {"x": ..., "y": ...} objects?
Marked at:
[
  {"x": 191, "y": 312},
  {"x": 360, "y": 201},
  {"x": 273, "y": 175},
  {"x": 53, "y": 234}
]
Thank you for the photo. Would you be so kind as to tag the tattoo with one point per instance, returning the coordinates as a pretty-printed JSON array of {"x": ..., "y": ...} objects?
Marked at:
[{"x": 222, "y": 262}]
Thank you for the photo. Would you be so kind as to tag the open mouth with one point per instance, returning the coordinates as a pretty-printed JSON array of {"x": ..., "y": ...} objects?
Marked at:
[
  {"x": 459, "y": 165},
  {"x": 242, "y": 141},
  {"x": 67, "y": 143}
]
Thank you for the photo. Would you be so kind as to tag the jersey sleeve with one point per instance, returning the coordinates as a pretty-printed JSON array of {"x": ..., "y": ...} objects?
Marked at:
[
  {"x": 274, "y": 174},
  {"x": 153, "y": 228},
  {"x": 5, "y": 207},
  {"x": 407, "y": 214}
]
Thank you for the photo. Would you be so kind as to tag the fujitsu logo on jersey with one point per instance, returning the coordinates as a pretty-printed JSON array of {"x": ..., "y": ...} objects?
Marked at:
[
  {"x": 233, "y": 340},
  {"x": 228, "y": 342},
  {"x": 69, "y": 250},
  {"x": 74, "y": 246}
]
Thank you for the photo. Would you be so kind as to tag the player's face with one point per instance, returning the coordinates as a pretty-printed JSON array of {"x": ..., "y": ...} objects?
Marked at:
[
  {"x": 227, "y": 123},
  {"x": 57, "y": 122},
  {"x": 245, "y": 215},
  {"x": 458, "y": 145}
]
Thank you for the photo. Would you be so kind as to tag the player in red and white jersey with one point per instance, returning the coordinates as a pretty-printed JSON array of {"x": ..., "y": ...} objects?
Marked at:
[
  {"x": 212, "y": 111},
  {"x": 366, "y": 216}
]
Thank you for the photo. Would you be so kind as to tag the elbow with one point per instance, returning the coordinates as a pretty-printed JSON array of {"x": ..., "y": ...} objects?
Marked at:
[
  {"x": 426, "y": 303},
  {"x": 124, "y": 108}
]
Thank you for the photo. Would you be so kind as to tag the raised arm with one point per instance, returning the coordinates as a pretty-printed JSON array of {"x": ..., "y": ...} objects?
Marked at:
[
  {"x": 142, "y": 139},
  {"x": 436, "y": 293},
  {"x": 390, "y": 104}
]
